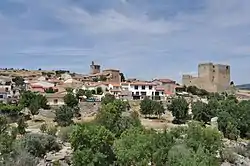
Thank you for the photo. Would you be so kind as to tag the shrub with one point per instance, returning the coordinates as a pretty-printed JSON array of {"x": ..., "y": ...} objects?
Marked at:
[
  {"x": 52, "y": 130},
  {"x": 39, "y": 144},
  {"x": 228, "y": 155},
  {"x": 64, "y": 116},
  {"x": 21, "y": 158},
  {"x": 64, "y": 133},
  {"x": 43, "y": 127}
]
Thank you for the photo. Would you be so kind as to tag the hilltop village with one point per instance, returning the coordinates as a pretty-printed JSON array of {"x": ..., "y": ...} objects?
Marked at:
[
  {"x": 54, "y": 84},
  {"x": 103, "y": 118}
]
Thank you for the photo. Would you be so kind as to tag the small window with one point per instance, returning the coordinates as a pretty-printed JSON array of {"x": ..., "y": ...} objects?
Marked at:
[
  {"x": 1, "y": 96},
  {"x": 227, "y": 67},
  {"x": 143, "y": 87},
  {"x": 136, "y": 86},
  {"x": 55, "y": 101},
  {"x": 213, "y": 70},
  {"x": 137, "y": 93},
  {"x": 150, "y": 87}
]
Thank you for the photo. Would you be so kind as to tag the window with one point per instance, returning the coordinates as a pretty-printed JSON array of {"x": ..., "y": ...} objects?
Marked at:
[
  {"x": 213, "y": 70},
  {"x": 162, "y": 93},
  {"x": 143, "y": 93},
  {"x": 137, "y": 93},
  {"x": 1, "y": 96},
  {"x": 55, "y": 101},
  {"x": 136, "y": 86},
  {"x": 143, "y": 87},
  {"x": 150, "y": 87}
]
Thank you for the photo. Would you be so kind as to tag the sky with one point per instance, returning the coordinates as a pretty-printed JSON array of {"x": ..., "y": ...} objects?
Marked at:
[{"x": 143, "y": 38}]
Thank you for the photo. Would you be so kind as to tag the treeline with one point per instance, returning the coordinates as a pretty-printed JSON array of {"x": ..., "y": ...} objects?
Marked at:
[{"x": 233, "y": 115}]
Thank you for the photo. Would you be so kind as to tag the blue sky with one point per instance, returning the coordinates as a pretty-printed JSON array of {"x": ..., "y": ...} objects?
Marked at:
[{"x": 143, "y": 38}]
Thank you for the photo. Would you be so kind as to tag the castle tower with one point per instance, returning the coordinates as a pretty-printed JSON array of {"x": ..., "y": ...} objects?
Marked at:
[{"x": 94, "y": 69}]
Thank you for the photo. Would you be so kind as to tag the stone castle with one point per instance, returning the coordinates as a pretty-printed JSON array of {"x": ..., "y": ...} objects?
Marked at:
[{"x": 211, "y": 77}]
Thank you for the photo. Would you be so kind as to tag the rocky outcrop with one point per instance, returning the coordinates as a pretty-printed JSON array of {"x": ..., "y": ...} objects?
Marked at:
[{"x": 62, "y": 157}]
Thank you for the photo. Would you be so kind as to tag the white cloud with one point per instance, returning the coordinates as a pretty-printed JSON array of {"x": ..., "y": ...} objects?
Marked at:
[{"x": 111, "y": 21}]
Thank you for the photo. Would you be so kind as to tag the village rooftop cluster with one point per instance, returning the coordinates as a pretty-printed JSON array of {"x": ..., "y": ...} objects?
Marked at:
[{"x": 54, "y": 84}]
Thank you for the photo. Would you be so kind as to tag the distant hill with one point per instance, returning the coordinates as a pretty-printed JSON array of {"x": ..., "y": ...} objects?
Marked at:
[{"x": 243, "y": 86}]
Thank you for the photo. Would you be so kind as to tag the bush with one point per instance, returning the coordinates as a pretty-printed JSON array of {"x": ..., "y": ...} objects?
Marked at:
[
  {"x": 65, "y": 133},
  {"x": 64, "y": 116},
  {"x": 39, "y": 144},
  {"x": 228, "y": 155},
  {"x": 52, "y": 130},
  {"x": 21, "y": 158},
  {"x": 43, "y": 127}
]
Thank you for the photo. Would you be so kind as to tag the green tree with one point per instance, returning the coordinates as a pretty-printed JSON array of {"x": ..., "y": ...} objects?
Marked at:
[
  {"x": 207, "y": 137},
  {"x": 204, "y": 112},
  {"x": 92, "y": 145},
  {"x": 108, "y": 98},
  {"x": 64, "y": 116},
  {"x": 110, "y": 116},
  {"x": 26, "y": 98},
  {"x": 179, "y": 109},
  {"x": 70, "y": 100},
  {"x": 43, "y": 102},
  {"x": 99, "y": 91},
  {"x": 19, "y": 81},
  {"x": 93, "y": 91},
  {"x": 34, "y": 106},
  {"x": 162, "y": 143},
  {"x": 134, "y": 147},
  {"x": 158, "y": 108},
  {"x": 122, "y": 77},
  {"x": 6, "y": 140},
  {"x": 228, "y": 125},
  {"x": 21, "y": 125},
  {"x": 88, "y": 94},
  {"x": 79, "y": 93},
  {"x": 147, "y": 107}
]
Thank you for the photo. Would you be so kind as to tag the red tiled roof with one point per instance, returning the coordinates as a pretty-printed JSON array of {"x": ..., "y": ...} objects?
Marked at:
[
  {"x": 159, "y": 88},
  {"x": 142, "y": 83},
  {"x": 168, "y": 92},
  {"x": 115, "y": 84},
  {"x": 165, "y": 80}
]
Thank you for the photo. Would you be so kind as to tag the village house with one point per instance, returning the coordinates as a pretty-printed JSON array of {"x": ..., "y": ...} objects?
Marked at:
[
  {"x": 94, "y": 85},
  {"x": 3, "y": 95},
  {"x": 168, "y": 85},
  {"x": 55, "y": 99},
  {"x": 142, "y": 89},
  {"x": 41, "y": 86},
  {"x": 115, "y": 89}
]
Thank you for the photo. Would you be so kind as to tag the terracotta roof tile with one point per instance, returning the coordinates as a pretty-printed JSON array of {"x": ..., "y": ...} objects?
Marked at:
[{"x": 165, "y": 80}]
